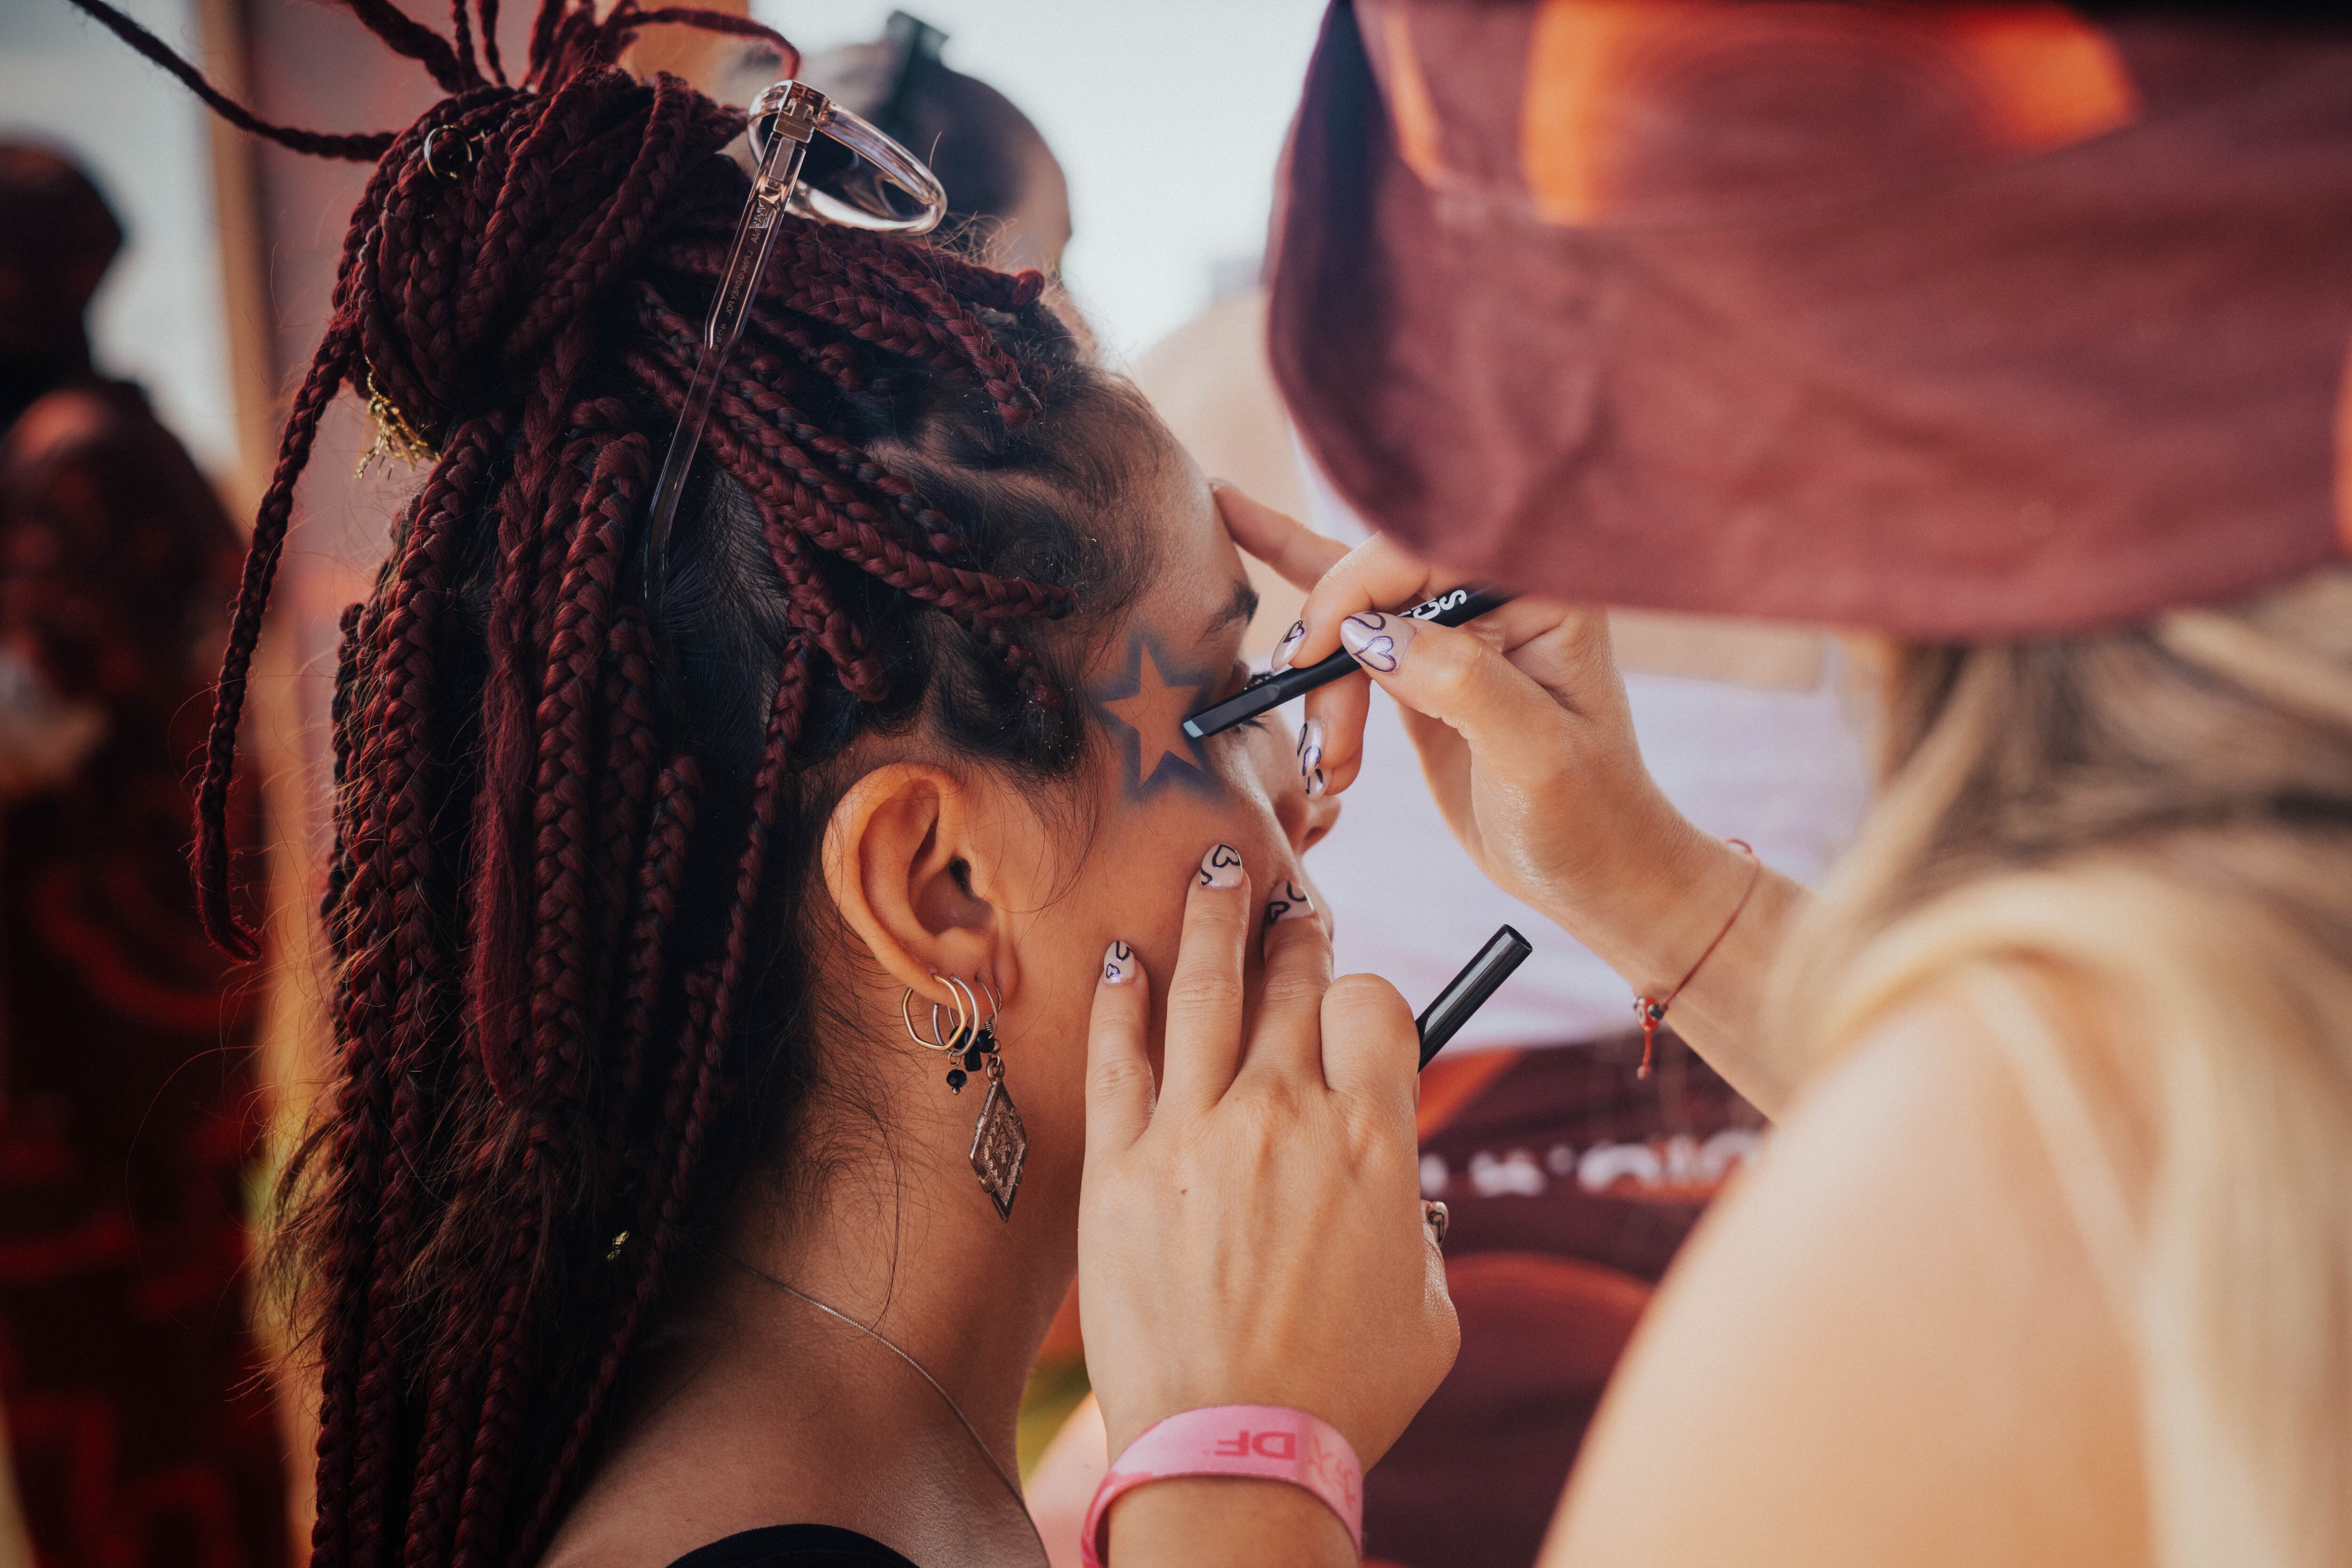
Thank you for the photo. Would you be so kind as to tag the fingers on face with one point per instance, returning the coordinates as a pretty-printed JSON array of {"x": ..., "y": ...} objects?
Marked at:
[
  {"x": 1286, "y": 1036},
  {"x": 1297, "y": 553},
  {"x": 1204, "y": 993},
  {"x": 1118, "y": 1069}
]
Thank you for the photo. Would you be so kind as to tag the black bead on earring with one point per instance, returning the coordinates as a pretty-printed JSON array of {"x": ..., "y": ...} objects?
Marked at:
[{"x": 1000, "y": 1143}]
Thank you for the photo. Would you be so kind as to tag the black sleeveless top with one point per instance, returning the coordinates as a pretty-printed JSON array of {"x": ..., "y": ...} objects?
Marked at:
[{"x": 793, "y": 1546}]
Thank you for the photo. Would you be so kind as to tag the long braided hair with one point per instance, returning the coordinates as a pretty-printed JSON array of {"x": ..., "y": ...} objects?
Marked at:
[{"x": 574, "y": 825}]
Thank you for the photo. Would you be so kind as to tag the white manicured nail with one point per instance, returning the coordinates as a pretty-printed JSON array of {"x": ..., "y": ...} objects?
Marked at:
[{"x": 1222, "y": 867}]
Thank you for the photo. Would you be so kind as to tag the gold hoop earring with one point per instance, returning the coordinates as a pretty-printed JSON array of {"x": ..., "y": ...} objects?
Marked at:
[{"x": 905, "y": 1000}]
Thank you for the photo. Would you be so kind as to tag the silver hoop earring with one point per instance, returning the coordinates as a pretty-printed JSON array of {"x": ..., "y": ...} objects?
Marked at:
[{"x": 970, "y": 1044}]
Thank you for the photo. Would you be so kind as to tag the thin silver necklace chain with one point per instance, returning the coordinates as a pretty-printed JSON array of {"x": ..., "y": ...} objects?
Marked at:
[{"x": 1012, "y": 1487}]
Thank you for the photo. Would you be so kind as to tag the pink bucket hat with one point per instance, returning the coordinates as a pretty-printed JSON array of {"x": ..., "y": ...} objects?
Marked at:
[{"x": 1953, "y": 321}]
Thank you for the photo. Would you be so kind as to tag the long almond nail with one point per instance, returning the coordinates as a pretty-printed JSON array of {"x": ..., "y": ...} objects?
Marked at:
[
  {"x": 1375, "y": 640},
  {"x": 1289, "y": 902},
  {"x": 1310, "y": 746},
  {"x": 1120, "y": 965},
  {"x": 1222, "y": 867},
  {"x": 1287, "y": 646}
]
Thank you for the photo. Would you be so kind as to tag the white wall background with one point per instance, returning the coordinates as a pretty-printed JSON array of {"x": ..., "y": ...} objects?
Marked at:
[
  {"x": 1167, "y": 115},
  {"x": 68, "y": 82}
]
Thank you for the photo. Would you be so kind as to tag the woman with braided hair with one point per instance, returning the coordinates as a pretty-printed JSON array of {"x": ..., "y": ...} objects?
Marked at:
[{"x": 702, "y": 908}]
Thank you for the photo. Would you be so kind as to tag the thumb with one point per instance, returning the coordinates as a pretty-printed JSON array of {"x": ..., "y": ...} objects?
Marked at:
[{"x": 1515, "y": 727}]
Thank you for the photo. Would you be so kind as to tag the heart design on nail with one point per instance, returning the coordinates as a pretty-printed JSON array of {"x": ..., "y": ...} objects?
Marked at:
[
  {"x": 1223, "y": 857},
  {"x": 1291, "y": 900},
  {"x": 1114, "y": 965},
  {"x": 1371, "y": 644},
  {"x": 1290, "y": 640}
]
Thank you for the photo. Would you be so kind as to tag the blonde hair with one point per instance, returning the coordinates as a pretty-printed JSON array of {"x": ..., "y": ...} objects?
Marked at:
[{"x": 2131, "y": 854}]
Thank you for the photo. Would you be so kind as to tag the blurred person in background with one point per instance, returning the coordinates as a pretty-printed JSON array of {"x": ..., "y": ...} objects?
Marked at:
[
  {"x": 1003, "y": 182},
  {"x": 141, "y": 1429},
  {"x": 1008, "y": 203}
]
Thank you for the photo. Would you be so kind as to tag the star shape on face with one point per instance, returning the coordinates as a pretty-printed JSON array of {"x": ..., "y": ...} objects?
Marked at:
[{"x": 1154, "y": 705}]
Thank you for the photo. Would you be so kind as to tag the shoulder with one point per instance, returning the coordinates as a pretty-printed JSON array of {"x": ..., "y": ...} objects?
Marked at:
[
  {"x": 1888, "y": 1344},
  {"x": 794, "y": 1546}
]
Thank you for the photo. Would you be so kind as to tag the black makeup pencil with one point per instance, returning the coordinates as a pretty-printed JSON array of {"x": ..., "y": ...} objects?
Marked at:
[
  {"x": 1451, "y": 608},
  {"x": 1468, "y": 992}
]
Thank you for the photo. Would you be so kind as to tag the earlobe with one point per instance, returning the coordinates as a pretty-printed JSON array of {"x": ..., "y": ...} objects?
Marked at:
[{"x": 898, "y": 862}]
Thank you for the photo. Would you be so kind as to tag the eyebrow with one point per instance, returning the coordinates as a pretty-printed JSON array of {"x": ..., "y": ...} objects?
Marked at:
[{"x": 1237, "y": 610}]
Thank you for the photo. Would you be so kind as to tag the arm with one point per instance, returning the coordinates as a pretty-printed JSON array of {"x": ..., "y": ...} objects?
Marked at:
[
  {"x": 1887, "y": 1345},
  {"x": 1528, "y": 744}
]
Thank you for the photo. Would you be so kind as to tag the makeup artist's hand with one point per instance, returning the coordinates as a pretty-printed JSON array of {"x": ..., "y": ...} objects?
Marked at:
[
  {"x": 1527, "y": 742},
  {"x": 1253, "y": 1234}
]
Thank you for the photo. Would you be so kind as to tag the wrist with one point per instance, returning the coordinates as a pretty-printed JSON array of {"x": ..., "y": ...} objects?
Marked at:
[
  {"x": 1273, "y": 1449},
  {"x": 1643, "y": 906},
  {"x": 1223, "y": 1520}
]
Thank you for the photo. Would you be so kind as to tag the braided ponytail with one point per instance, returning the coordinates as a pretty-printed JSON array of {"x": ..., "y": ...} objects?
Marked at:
[{"x": 573, "y": 823}]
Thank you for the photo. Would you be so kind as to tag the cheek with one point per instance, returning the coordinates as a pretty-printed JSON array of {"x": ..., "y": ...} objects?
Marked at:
[
  {"x": 1133, "y": 886},
  {"x": 1148, "y": 855}
]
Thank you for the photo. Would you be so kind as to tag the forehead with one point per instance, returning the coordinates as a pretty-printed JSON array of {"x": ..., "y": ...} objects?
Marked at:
[
  {"x": 1175, "y": 647},
  {"x": 1189, "y": 596}
]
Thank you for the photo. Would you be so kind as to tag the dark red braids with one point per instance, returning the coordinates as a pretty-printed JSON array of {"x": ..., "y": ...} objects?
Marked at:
[{"x": 573, "y": 824}]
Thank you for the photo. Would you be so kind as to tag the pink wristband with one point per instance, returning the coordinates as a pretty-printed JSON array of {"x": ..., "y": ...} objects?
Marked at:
[{"x": 1265, "y": 1442}]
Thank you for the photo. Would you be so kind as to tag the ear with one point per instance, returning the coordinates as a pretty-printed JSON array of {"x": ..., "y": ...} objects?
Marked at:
[{"x": 900, "y": 863}]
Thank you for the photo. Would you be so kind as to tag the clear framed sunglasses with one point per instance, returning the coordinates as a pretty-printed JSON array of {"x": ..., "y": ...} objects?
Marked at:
[{"x": 814, "y": 158}]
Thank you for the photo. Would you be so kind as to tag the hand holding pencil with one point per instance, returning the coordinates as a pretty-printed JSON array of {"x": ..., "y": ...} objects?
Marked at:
[{"x": 1527, "y": 744}]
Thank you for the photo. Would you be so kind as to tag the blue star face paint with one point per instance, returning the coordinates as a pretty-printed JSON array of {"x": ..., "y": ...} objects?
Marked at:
[{"x": 1144, "y": 709}]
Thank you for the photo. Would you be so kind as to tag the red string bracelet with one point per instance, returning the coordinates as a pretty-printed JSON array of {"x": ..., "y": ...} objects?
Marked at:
[{"x": 1652, "y": 1010}]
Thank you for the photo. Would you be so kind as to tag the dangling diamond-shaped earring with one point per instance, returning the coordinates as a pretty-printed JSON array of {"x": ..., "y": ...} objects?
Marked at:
[{"x": 1000, "y": 1143}]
